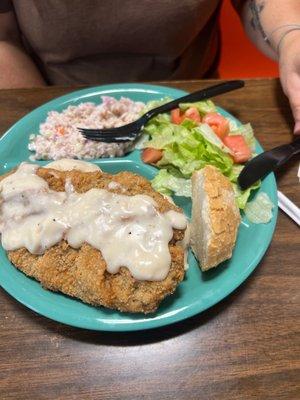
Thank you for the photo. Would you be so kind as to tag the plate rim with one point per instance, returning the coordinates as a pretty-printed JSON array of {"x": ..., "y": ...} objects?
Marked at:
[{"x": 180, "y": 315}]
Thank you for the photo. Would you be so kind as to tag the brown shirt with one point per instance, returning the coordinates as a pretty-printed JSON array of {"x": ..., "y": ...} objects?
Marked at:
[{"x": 96, "y": 41}]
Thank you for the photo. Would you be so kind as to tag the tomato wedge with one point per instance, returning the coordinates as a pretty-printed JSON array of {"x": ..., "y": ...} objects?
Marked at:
[
  {"x": 237, "y": 144},
  {"x": 218, "y": 123},
  {"x": 151, "y": 156},
  {"x": 176, "y": 116},
  {"x": 193, "y": 114}
]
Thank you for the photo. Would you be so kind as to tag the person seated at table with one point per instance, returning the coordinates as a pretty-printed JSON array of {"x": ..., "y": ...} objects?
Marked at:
[{"x": 61, "y": 42}]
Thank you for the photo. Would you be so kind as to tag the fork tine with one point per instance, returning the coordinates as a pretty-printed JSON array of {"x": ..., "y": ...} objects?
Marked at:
[
  {"x": 95, "y": 131},
  {"x": 106, "y": 133},
  {"x": 125, "y": 133},
  {"x": 96, "y": 135},
  {"x": 120, "y": 131},
  {"x": 109, "y": 139}
]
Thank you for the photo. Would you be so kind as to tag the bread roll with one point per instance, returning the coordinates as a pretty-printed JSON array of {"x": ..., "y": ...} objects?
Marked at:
[{"x": 215, "y": 217}]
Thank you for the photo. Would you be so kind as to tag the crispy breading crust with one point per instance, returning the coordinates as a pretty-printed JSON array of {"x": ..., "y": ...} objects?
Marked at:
[
  {"x": 81, "y": 273},
  {"x": 222, "y": 213}
]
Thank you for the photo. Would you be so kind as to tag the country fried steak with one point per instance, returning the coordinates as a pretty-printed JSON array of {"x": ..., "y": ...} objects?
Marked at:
[{"x": 81, "y": 273}]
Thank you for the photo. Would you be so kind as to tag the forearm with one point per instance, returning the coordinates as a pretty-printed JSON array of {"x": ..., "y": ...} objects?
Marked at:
[
  {"x": 274, "y": 27},
  {"x": 262, "y": 18},
  {"x": 17, "y": 70}
]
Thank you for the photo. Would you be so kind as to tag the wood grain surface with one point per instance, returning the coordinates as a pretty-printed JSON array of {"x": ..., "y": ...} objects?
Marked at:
[{"x": 246, "y": 347}]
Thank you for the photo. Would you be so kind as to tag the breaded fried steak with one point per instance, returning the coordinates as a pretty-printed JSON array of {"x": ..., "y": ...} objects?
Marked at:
[{"x": 82, "y": 272}]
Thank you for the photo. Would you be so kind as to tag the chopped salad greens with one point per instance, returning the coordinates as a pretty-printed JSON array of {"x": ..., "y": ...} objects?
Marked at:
[
  {"x": 259, "y": 210},
  {"x": 192, "y": 136},
  {"x": 167, "y": 183}
]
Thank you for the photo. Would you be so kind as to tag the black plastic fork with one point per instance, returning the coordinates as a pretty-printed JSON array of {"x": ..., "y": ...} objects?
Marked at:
[
  {"x": 130, "y": 132},
  {"x": 266, "y": 162}
]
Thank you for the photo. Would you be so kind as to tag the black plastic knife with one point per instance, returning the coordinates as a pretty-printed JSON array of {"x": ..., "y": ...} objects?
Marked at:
[{"x": 267, "y": 162}]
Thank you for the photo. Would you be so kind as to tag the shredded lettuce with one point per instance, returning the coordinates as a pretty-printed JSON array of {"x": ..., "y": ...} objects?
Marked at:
[
  {"x": 189, "y": 147},
  {"x": 139, "y": 144},
  {"x": 203, "y": 107},
  {"x": 211, "y": 137},
  {"x": 235, "y": 171},
  {"x": 186, "y": 148},
  {"x": 155, "y": 103},
  {"x": 259, "y": 210},
  {"x": 233, "y": 125},
  {"x": 242, "y": 196},
  {"x": 194, "y": 153},
  {"x": 166, "y": 183}
]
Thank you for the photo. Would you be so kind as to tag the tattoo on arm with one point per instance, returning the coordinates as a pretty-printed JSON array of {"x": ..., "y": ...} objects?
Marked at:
[{"x": 256, "y": 7}]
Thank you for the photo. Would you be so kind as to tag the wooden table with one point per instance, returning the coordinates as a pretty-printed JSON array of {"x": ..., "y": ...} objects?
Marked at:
[{"x": 246, "y": 347}]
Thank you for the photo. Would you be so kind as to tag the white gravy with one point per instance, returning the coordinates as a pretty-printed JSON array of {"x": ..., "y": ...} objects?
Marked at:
[
  {"x": 68, "y": 164},
  {"x": 114, "y": 185},
  {"x": 128, "y": 230}
]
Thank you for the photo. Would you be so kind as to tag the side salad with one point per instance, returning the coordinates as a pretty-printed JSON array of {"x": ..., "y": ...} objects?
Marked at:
[{"x": 192, "y": 136}]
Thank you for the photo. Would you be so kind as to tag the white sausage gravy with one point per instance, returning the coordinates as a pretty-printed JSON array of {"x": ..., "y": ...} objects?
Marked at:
[
  {"x": 128, "y": 230},
  {"x": 67, "y": 164}
]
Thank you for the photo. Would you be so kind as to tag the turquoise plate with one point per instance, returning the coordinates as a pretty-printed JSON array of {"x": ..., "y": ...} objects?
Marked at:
[{"x": 196, "y": 293}]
